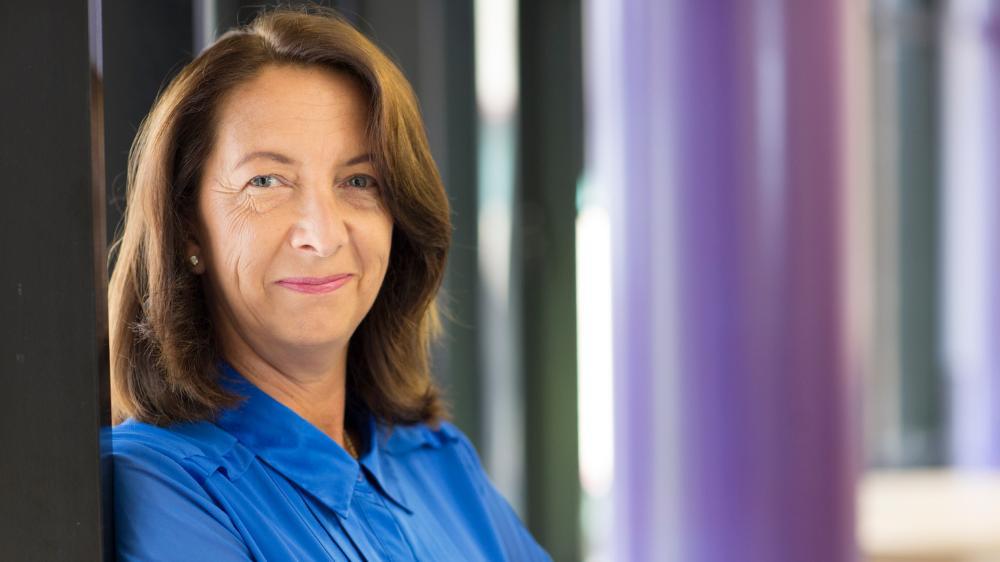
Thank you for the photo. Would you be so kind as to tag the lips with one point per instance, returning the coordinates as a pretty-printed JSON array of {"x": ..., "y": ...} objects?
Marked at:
[{"x": 316, "y": 285}]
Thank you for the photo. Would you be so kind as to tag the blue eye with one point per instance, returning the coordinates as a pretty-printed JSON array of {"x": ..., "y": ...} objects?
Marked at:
[
  {"x": 361, "y": 181},
  {"x": 263, "y": 181}
]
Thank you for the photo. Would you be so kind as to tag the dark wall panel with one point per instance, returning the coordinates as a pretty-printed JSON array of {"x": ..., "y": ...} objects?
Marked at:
[
  {"x": 145, "y": 45},
  {"x": 551, "y": 152},
  {"x": 53, "y": 375}
]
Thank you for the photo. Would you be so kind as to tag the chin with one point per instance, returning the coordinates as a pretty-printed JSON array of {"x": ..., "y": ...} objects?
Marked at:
[{"x": 317, "y": 334}]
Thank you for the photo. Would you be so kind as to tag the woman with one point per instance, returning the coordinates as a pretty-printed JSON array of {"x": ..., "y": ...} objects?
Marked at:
[{"x": 271, "y": 308}]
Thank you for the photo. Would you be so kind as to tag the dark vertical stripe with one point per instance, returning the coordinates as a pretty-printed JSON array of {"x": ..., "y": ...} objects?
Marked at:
[{"x": 53, "y": 338}]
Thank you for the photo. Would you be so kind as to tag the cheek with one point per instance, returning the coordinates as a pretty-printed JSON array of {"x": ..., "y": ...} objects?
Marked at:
[
  {"x": 377, "y": 246},
  {"x": 238, "y": 240},
  {"x": 384, "y": 244}
]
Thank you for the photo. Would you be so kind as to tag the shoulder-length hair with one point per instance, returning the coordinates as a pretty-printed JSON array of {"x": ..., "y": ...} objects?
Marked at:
[{"x": 164, "y": 357}]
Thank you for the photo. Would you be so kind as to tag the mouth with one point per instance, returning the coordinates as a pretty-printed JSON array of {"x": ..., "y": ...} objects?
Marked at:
[{"x": 316, "y": 285}]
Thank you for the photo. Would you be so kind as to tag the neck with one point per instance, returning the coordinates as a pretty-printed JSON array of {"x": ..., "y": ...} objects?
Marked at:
[{"x": 312, "y": 383}]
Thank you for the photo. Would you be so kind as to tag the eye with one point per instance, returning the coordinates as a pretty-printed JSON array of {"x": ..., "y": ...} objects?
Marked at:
[
  {"x": 361, "y": 181},
  {"x": 264, "y": 181}
]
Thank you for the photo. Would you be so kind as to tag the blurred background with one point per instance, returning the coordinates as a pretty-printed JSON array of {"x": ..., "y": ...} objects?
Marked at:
[{"x": 724, "y": 283}]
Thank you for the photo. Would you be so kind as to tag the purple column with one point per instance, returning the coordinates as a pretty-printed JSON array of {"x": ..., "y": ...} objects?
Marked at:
[{"x": 716, "y": 132}]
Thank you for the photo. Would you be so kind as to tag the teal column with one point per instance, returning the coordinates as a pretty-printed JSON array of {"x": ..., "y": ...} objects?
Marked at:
[{"x": 907, "y": 424}]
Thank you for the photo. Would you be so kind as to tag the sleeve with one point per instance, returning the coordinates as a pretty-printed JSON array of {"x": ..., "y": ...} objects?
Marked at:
[
  {"x": 162, "y": 513},
  {"x": 517, "y": 541}
]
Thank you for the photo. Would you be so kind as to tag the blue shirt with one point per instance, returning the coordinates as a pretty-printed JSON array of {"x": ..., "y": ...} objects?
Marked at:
[{"x": 262, "y": 483}]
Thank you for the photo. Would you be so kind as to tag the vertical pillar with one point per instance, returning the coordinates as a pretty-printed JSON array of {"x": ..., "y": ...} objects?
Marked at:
[
  {"x": 972, "y": 229},
  {"x": 906, "y": 416},
  {"x": 717, "y": 131},
  {"x": 53, "y": 318},
  {"x": 551, "y": 162}
]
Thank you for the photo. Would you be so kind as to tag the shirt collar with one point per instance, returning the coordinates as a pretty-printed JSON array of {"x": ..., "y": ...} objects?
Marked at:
[{"x": 300, "y": 451}]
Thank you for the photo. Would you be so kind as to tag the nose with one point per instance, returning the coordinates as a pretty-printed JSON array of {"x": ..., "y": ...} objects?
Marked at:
[{"x": 321, "y": 226}]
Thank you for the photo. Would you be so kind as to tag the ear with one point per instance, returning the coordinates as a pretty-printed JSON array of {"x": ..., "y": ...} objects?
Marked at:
[{"x": 194, "y": 258}]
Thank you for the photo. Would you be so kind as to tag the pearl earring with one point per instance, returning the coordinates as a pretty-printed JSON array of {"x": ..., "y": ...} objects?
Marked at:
[{"x": 194, "y": 261}]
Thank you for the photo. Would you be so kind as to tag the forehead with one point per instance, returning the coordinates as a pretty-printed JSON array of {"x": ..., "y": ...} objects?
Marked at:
[{"x": 313, "y": 106}]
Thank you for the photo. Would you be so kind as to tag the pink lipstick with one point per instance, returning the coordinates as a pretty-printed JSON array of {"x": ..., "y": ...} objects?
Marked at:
[{"x": 316, "y": 285}]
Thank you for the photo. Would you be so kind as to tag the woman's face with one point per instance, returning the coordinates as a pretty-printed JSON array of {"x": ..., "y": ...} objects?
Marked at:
[{"x": 293, "y": 237}]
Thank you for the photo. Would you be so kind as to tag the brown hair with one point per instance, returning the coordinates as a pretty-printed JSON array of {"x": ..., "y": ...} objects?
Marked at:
[{"x": 164, "y": 360}]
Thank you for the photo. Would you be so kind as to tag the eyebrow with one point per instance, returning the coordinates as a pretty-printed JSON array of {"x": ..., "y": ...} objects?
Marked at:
[
  {"x": 266, "y": 154},
  {"x": 283, "y": 159},
  {"x": 359, "y": 159}
]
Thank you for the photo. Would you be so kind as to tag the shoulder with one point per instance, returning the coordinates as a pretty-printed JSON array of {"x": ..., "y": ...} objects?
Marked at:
[
  {"x": 444, "y": 447},
  {"x": 199, "y": 447},
  {"x": 160, "y": 493},
  {"x": 452, "y": 456},
  {"x": 443, "y": 450},
  {"x": 445, "y": 439},
  {"x": 401, "y": 439}
]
